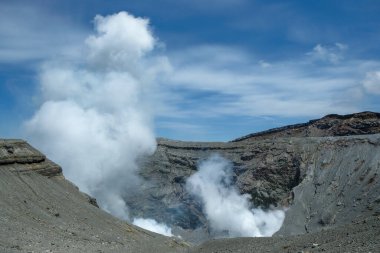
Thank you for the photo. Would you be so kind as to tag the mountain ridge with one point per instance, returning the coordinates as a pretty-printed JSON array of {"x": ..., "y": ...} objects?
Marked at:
[{"x": 321, "y": 124}]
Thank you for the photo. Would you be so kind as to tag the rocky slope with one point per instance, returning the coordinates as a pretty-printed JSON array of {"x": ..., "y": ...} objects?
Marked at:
[
  {"x": 325, "y": 177},
  {"x": 326, "y": 172},
  {"x": 340, "y": 184},
  {"x": 40, "y": 211},
  {"x": 358, "y": 236}
]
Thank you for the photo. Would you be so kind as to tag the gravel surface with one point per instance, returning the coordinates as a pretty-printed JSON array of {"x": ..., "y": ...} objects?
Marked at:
[{"x": 359, "y": 236}]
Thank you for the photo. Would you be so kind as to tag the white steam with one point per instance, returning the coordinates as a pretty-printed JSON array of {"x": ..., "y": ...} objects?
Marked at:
[
  {"x": 154, "y": 226},
  {"x": 225, "y": 208},
  {"x": 95, "y": 119},
  {"x": 121, "y": 42}
]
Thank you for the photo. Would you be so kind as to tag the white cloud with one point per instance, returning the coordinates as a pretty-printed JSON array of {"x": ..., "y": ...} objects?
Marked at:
[
  {"x": 332, "y": 54},
  {"x": 264, "y": 64},
  {"x": 224, "y": 207},
  {"x": 154, "y": 226},
  {"x": 341, "y": 46},
  {"x": 33, "y": 33},
  {"x": 235, "y": 85},
  {"x": 371, "y": 83}
]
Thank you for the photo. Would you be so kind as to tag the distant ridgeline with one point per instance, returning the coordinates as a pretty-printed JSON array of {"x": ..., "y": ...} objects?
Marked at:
[{"x": 330, "y": 125}]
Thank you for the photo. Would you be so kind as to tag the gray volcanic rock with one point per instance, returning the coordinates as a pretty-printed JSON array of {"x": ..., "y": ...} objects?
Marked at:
[
  {"x": 40, "y": 211},
  {"x": 285, "y": 167},
  {"x": 267, "y": 172},
  {"x": 341, "y": 184},
  {"x": 358, "y": 236},
  {"x": 325, "y": 172},
  {"x": 28, "y": 158}
]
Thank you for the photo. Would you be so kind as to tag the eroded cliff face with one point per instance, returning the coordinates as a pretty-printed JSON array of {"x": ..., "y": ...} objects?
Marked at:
[{"x": 322, "y": 176}]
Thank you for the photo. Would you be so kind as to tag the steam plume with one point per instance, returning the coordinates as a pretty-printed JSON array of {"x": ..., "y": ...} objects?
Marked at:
[
  {"x": 154, "y": 226},
  {"x": 224, "y": 207},
  {"x": 95, "y": 119}
]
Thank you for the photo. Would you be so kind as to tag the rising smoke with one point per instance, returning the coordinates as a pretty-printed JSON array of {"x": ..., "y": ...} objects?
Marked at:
[
  {"x": 154, "y": 226},
  {"x": 225, "y": 208},
  {"x": 96, "y": 118}
]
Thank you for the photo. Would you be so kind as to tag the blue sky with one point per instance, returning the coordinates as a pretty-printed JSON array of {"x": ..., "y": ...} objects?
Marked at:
[{"x": 236, "y": 66}]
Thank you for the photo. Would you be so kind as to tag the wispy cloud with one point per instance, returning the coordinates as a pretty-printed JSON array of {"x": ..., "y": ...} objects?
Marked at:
[
  {"x": 203, "y": 81},
  {"x": 222, "y": 81},
  {"x": 332, "y": 54},
  {"x": 33, "y": 33},
  {"x": 371, "y": 82}
]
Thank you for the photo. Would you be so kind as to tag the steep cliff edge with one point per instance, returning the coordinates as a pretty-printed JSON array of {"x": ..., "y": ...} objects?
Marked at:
[{"x": 40, "y": 211}]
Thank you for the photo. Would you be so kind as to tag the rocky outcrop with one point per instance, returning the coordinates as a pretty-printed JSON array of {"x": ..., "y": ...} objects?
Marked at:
[
  {"x": 40, "y": 211},
  {"x": 324, "y": 177},
  {"x": 26, "y": 159}
]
